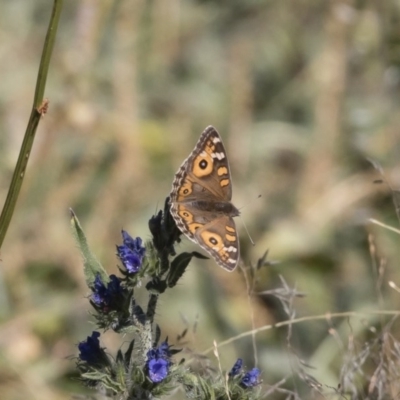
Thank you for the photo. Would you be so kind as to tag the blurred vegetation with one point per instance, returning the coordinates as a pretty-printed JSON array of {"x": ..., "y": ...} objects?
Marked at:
[{"x": 303, "y": 94}]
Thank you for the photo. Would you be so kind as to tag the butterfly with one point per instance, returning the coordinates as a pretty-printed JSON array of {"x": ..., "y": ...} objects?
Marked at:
[{"x": 201, "y": 200}]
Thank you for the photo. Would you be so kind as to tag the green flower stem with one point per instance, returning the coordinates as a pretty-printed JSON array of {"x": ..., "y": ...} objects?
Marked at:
[
  {"x": 39, "y": 108},
  {"x": 145, "y": 338},
  {"x": 151, "y": 307},
  {"x": 145, "y": 330}
]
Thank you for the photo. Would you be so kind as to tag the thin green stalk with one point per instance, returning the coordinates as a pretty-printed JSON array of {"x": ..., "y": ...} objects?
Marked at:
[{"x": 39, "y": 108}]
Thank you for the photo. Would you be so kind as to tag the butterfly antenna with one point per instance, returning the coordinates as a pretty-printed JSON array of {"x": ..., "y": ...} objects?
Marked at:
[
  {"x": 241, "y": 208},
  {"x": 247, "y": 231},
  {"x": 245, "y": 227}
]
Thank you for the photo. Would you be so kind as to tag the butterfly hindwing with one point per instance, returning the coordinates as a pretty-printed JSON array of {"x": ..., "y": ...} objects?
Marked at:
[{"x": 201, "y": 200}]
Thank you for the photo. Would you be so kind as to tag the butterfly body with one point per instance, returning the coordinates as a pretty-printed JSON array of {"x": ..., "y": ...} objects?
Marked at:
[{"x": 201, "y": 200}]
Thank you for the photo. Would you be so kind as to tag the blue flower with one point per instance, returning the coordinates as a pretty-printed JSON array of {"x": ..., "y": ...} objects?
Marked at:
[
  {"x": 158, "y": 369},
  {"x": 236, "y": 368},
  {"x": 163, "y": 350},
  {"x": 158, "y": 362},
  {"x": 90, "y": 350},
  {"x": 107, "y": 297},
  {"x": 250, "y": 378},
  {"x": 131, "y": 253}
]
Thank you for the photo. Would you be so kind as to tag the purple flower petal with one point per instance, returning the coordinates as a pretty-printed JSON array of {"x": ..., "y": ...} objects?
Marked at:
[
  {"x": 236, "y": 367},
  {"x": 107, "y": 296},
  {"x": 250, "y": 379},
  {"x": 90, "y": 350},
  {"x": 158, "y": 362},
  {"x": 158, "y": 369},
  {"x": 131, "y": 253}
]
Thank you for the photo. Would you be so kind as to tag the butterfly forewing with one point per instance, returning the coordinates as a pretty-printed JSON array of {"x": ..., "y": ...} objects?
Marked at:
[{"x": 200, "y": 200}]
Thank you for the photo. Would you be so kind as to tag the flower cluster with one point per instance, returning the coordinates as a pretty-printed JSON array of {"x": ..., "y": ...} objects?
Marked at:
[
  {"x": 237, "y": 367},
  {"x": 112, "y": 296},
  {"x": 247, "y": 380},
  {"x": 90, "y": 351},
  {"x": 158, "y": 362},
  {"x": 141, "y": 372},
  {"x": 107, "y": 297},
  {"x": 250, "y": 378},
  {"x": 131, "y": 253}
]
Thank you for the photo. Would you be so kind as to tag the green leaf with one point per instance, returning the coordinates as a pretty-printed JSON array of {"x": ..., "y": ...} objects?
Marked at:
[
  {"x": 156, "y": 286},
  {"x": 128, "y": 354},
  {"x": 178, "y": 266},
  {"x": 157, "y": 335},
  {"x": 119, "y": 377},
  {"x": 119, "y": 359},
  {"x": 94, "y": 375},
  {"x": 110, "y": 383},
  {"x": 92, "y": 266}
]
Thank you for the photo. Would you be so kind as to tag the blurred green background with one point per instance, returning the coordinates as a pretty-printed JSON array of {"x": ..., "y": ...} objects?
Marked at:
[{"x": 302, "y": 92}]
